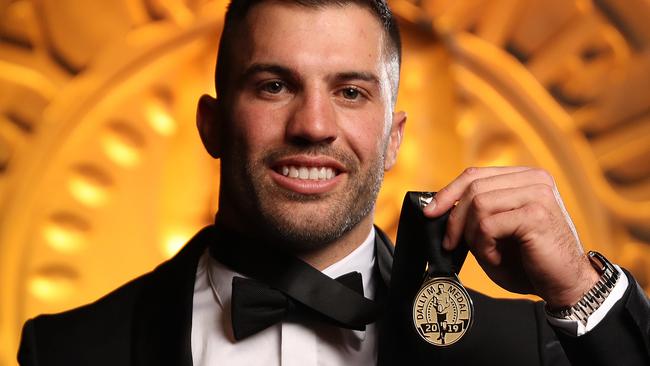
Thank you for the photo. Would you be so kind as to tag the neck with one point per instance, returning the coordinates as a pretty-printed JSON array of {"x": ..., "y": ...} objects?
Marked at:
[{"x": 323, "y": 256}]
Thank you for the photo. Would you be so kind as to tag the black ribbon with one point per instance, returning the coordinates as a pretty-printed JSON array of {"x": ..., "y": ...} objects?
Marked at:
[
  {"x": 304, "y": 285},
  {"x": 419, "y": 247}
]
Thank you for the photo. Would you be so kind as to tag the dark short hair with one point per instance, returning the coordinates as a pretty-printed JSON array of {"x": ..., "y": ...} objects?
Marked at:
[{"x": 239, "y": 9}]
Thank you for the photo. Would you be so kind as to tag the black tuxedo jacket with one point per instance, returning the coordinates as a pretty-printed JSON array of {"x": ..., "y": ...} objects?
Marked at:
[{"x": 148, "y": 322}]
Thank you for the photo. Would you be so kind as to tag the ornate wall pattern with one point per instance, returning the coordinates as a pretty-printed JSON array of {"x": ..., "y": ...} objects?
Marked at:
[{"x": 102, "y": 174}]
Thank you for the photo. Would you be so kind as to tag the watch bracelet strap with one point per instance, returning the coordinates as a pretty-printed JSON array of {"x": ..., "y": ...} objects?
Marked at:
[{"x": 593, "y": 298}]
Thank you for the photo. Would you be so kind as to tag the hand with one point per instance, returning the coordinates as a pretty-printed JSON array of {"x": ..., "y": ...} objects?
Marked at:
[{"x": 515, "y": 224}]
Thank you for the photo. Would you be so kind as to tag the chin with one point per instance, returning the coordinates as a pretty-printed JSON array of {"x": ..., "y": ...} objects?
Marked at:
[{"x": 306, "y": 230}]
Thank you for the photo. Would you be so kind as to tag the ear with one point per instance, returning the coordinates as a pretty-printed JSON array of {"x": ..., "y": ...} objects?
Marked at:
[
  {"x": 394, "y": 139},
  {"x": 208, "y": 118}
]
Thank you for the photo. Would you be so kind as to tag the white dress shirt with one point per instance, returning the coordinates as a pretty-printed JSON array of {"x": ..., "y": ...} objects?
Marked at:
[
  {"x": 285, "y": 344},
  {"x": 309, "y": 344}
]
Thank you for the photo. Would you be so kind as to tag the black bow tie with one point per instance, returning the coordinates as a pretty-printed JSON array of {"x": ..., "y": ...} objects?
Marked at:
[
  {"x": 257, "y": 306},
  {"x": 287, "y": 283}
]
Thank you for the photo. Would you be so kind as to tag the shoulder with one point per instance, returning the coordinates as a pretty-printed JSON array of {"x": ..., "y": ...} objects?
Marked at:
[
  {"x": 103, "y": 332},
  {"x": 103, "y": 326},
  {"x": 116, "y": 307},
  {"x": 109, "y": 308}
]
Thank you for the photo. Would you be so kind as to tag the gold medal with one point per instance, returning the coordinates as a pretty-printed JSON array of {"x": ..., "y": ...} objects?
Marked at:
[{"x": 442, "y": 311}]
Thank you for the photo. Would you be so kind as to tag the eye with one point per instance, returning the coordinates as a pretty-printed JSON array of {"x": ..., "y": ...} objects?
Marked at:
[
  {"x": 273, "y": 87},
  {"x": 351, "y": 93}
]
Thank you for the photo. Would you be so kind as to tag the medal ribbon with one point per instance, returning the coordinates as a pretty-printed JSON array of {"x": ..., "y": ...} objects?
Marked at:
[{"x": 419, "y": 247}]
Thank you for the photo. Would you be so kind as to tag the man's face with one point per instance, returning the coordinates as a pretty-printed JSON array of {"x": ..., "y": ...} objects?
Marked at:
[{"x": 306, "y": 128}]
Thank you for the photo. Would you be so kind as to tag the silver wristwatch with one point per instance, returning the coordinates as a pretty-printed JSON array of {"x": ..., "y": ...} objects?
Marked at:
[{"x": 596, "y": 295}]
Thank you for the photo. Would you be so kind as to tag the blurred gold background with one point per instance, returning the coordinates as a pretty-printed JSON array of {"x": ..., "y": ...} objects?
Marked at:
[{"x": 102, "y": 174}]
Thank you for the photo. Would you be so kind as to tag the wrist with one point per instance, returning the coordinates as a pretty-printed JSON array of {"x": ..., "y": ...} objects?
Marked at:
[
  {"x": 587, "y": 277},
  {"x": 594, "y": 296}
]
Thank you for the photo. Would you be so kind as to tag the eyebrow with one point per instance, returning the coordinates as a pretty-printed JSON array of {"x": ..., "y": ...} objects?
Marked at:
[
  {"x": 357, "y": 75},
  {"x": 287, "y": 73},
  {"x": 281, "y": 71}
]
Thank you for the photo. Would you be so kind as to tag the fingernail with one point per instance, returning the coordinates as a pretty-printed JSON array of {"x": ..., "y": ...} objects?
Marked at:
[{"x": 431, "y": 206}]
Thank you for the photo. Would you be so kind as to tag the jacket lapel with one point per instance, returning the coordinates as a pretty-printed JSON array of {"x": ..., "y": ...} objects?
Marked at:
[
  {"x": 162, "y": 318},
  {"x": 384, "y": 249}
]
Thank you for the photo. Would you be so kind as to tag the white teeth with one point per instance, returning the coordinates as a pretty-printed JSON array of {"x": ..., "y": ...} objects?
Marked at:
[
  {"x": 311, "y": 173},
  {"x": 304, "y": 172}
]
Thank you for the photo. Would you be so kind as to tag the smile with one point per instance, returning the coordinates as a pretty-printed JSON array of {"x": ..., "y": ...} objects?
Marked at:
[
  {"x": 307, "y": 172},
  {"x": 308, "y": 175}
]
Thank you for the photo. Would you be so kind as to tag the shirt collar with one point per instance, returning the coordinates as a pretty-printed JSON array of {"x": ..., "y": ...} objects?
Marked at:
[{"x": 362, "y": 260}]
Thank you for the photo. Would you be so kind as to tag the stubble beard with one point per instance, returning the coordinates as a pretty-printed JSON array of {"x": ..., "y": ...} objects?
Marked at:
[{"x": 286, "y": 218}]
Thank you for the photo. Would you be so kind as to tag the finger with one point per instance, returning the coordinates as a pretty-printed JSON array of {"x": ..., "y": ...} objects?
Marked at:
[
  {"x": 551, "y": 257},
  {"x": 520, "y": 223},
  {"x": 458, "y": 217},
  {"x": 501, "y": 200},
  {"x": 498, "y": 227},
  {"x": 447, "y": 196}
]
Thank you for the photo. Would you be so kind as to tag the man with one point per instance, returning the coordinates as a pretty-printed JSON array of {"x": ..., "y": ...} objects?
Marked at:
[{"x": 304, "y": 126}]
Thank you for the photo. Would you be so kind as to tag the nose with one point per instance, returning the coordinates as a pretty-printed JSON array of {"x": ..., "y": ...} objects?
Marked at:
[{"x": 313, "y": 120}]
